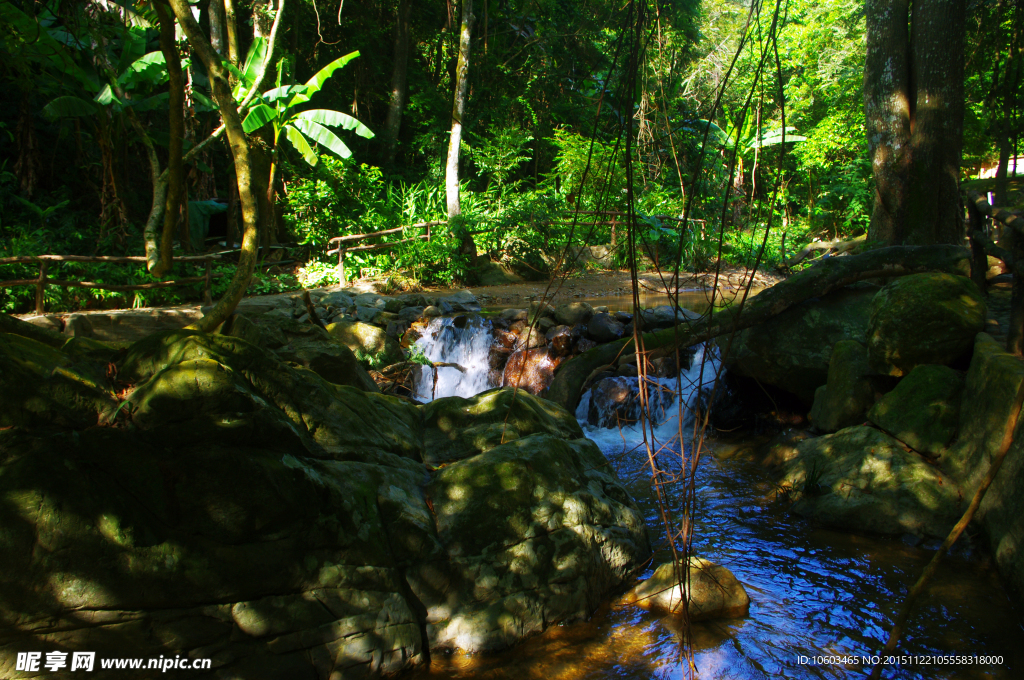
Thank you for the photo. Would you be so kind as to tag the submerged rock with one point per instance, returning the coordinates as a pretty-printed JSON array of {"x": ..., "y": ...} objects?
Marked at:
[
  {"x": 713, "y": 591},
  {"x": 249, "y": 511}
]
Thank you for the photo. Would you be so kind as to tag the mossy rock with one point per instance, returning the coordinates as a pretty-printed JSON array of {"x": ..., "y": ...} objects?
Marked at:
[
  {"x": 457, "y": 428},
  {"x": 923, "y": 319},
  {"x": 861, "y": 479},
  {"x": 851, "y": 390},
  {"x": 923, "y": 411},
  {"x": 792, "y": 350},
  {"x": 41, "y": 386},
  {"x": 371, "y": 345}
]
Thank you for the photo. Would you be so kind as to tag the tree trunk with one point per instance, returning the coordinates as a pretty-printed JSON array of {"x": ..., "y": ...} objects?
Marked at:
[
  {"x": 240, "y": 152},
  {"x": 399, "y": 80},
  {"x": 455, "y": 141},
  {"x": 218, "y": 38},
  {"x": 934, "y": 207},
  {"x": 231, "y": 30},
  {"x": 835, "y": 273},
  {"x": 887, "y": 114},
  {"x": 175, "y": 168}
]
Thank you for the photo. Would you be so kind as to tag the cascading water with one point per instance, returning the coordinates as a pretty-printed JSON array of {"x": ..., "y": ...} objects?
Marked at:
[
  {"x": 610, "y": 417},
  {"x": 462, "y": 340}
]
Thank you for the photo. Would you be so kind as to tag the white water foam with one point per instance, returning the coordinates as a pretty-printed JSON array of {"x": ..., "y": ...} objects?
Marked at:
[
  {"x": 443, "y": 341},
  {"x": 664, "y": 404}
]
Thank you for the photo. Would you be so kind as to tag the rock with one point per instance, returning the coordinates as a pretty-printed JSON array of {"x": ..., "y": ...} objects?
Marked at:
[
  {"x": 714, "y": 592},
  {"x": 530, "y": 369},
  {"x": 369, "y": 344},
  {"x": 536, "y": 310},
  {"x": 657, "y": 318},
  {"x": 513, "y": 315},
  {"x": 462, "y": 301},
  {"x": 382, "y": 319},
  {"x": 572, "y": 313},
  {"x": 393, "y": 305},
  {"x": 851, "y": 390},
  {"x": 545, "y": 324},
  {"x": 492, "y": 274},
  {"x": 923, "y": 411},
  {"x": 604, "y": 328},
  {"x": 615, "y": 402},
  {"x": 77, "y": 325},
  {"x": 601, "y": 309},
  {"x": 370, "y": 300},
  {"x": 923, "y": 319},
  {"x": 48, "y": 321},
  {"x": 583, "y": 344},
  {"x": 560, "y": 341},
  {"x": 240, "y": 326},
  {"x": 415, "y": 300},
  {"x": 431, "y": 311},
  {"x": 338, "y": 300},
  {"x": 860, "y": 479},
  {"x": 792, "y": 350},
  {"x": 367, "y": 314},
  {"x": 621, "y": 317},
  {"x": 996, "y": 267},
  {"x": 410, "y": 314},
  {"x": 990, "y": 389}
]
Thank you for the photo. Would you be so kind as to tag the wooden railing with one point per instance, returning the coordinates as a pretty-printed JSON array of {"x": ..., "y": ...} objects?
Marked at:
[
  {"x": 343, "y": 249},
  {"x": 42, "y": 280},
  {"x": 978, "y": 208}
]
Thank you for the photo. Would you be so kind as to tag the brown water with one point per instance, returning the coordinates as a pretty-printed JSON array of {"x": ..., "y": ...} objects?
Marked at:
[{"x": 813, "y": 592}]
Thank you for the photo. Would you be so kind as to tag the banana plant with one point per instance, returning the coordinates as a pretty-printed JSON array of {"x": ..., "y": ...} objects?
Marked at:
[{"x": 305, "y": 129}]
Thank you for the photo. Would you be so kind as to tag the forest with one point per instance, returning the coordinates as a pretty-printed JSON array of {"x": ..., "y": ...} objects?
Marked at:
[{"x": 506, "y": 121}]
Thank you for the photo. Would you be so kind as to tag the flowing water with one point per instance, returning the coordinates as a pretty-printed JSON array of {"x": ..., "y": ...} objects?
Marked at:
[
  {"x": 816, "y": 595},
  {"x": 463, "y": 340}
]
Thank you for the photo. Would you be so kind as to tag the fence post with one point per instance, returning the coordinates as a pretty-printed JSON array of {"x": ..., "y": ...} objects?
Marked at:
[
  {"x": 341, "y": 262},
  {"x": 1015, "y": 336},
  {"x": 41, "y": 287},
  {"x": 207, "y": 293}
]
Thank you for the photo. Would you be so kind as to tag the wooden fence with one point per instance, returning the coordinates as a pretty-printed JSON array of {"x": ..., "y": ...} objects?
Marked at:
[
  {"x": 341, "y": 249},
  {"x": 42, "y": 281}
]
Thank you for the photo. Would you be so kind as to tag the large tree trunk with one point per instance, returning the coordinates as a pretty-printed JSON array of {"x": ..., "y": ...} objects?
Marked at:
[
  {"x": 240, "y": 152},
  {"x": 218, "y": 38},
  {"x": 934, "y": 207},
  {"x": 399, "y": 80},
  {"x": 887, "y": 114},
  {"x": 175, "y": 167},
  {"x": 451, "y": 174},
  {"x": 835, "y": 273},
  {"x": 231, "y": 30}
]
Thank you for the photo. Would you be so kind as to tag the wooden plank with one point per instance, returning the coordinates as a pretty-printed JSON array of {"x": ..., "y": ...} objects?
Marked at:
[
  {"x": 29, "y": 259},
  {"x": 359, "y": 237},
  {"x": 380, "y": 246}
]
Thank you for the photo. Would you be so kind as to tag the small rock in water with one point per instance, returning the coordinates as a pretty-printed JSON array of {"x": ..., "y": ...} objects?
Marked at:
[{"x": 714, "y": 591}]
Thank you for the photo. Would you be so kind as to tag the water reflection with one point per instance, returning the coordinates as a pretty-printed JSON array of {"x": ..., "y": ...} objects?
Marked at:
[{"x": 813, "y": 592}]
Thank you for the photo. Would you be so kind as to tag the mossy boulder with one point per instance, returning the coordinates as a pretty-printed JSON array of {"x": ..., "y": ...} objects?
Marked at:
[
  {"x": 371, "y": 345},
  {"x": 41, "y": 386},
  {"x": 923, "y": 319},
  {"x": 861, "y": 479},
  {"x": 792, "y": 350},
  {"x": 249, "y": 511},
  {"x": 923, "y": 411},
  {"x": 851, "y": 390}
]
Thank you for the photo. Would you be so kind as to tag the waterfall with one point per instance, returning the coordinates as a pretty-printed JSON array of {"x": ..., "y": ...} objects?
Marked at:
[
  {"x": 609, "y": 418},
  {"x": 462, "y": 340}
]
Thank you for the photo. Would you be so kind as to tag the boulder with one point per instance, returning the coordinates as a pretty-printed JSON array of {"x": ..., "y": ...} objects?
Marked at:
[
  {"x": 78, "y": 325},
  {"x": 572, "y": 313},
  {"x": 258, "y": 515},
  {"x": 513, "y": 315},
  {"x": 370, "y": 344},
  {"x": 370, "y": 300},
  {"x": 432, "y": 311},
  {"x": 537, "y": 308},
  {"x": 923, "y": 411},
  {"x": 367, "y": 314},
  {"x": 604, "y": 328},
  {"x": 991, "y": 386},
  {"x": 851, "y": 390},
  {"x": 462, "y": 301},
  {"x": 792, "y": 350},
  {"x": 861, "y": 479},
  {"x": 338, "y": 300},
  {"x": 410, "y": 314},
  {"x": 923, "y": 319},
  {"x": 713, "y": 591},
  {"x": 493, "y": 274}
]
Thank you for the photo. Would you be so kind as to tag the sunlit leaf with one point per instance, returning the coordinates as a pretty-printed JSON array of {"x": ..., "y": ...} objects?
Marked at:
[
  {"x": 314, "y": 84},
  {"x": 335, "y": 119},
  {"x": 300, "y": 143},
  {"x": 322, "y": 135},
  {"x": 259, "y": 115}
]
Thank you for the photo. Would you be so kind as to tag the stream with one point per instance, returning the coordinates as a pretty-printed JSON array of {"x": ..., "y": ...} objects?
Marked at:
[{"x": 815, "y": 594}]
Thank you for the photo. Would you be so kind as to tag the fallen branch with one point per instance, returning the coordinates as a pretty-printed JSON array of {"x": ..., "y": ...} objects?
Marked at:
[
  {"x": 838, "y": 245},
  {"x": 827, "y": 276}
]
